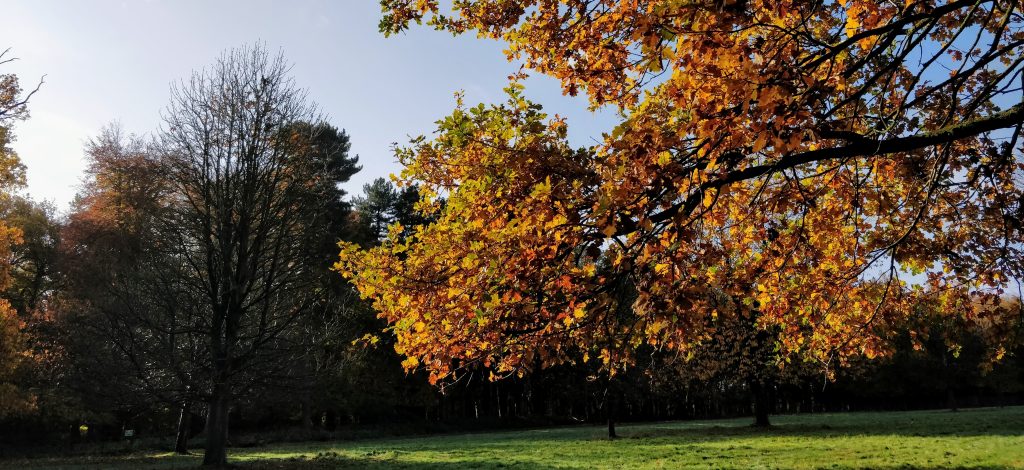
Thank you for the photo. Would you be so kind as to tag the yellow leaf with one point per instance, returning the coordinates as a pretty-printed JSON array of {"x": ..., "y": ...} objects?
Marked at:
[
  {"x": 664, "y": 158},
  {"x": 589, "y": 269},
  {"x": 661, "y": 268},
  {"x": 852, "y": 23}
]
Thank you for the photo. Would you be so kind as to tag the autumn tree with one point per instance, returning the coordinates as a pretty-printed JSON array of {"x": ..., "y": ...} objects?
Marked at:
[
  {"x": 123, "y": 289},
  {"x": 820, "y": 150},
  {"x": 13, "y": 344}
]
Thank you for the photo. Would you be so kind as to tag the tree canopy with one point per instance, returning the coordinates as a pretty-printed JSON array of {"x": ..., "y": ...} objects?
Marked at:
[{"x": 793, "y": 162}]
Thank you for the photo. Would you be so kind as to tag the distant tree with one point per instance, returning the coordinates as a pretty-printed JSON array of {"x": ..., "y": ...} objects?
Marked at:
[
  {"x": 13, "y": 108},
  {"x": 121, "y": 287},
  {"x": 951, "y": 354},
  {"x": 377, "y": 208},
  {"x": 34, "y": 265},
  {"x": 322, "y": 150},
  {"x": 201, "y": 262},
  {"x": 13, "y": 353},
  {"x": 34, "y": 282},
  {"x": 737, "y": 355},
  {"x": 320, "y": 336},
  {"x": 383, "y": 204}
]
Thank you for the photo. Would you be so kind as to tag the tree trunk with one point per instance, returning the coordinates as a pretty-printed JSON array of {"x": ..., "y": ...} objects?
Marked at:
[
  {"x": 332, "y": 420},
  {"x": 217, "y": 428},
  {"x": 611, "y": 404},
  {"x": 184, "y": 428},
  {"x": 761, "y": 403},
  {"x": 950, "y": 394},
  {"x": 306, "y": 413}
]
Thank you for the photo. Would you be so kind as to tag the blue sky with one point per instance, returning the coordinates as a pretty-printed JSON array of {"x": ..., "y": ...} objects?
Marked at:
[{"x": 112, "y": 60}]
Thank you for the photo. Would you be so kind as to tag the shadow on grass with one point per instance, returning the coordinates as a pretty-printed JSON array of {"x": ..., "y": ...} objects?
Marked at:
[
  {"x": 329, "y": 460},
  {"x": 807, "y": 430},
  {"x": 335, "y": 461},
  {"x": 971, "y": 423}
]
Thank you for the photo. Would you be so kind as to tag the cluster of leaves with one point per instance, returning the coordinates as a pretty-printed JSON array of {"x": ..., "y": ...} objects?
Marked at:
[{"x": 786, "y": 162}]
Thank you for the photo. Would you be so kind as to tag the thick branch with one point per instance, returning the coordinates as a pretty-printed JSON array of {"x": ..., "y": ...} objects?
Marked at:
[{"x": 861, "y": 147}]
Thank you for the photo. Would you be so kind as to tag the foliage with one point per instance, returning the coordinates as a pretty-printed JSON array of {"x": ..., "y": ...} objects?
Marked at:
[
  {"x": 799, "y": 158},
  {"x": 34, "y": 263},
  {"x": 12, "y": 355},
  {"x": 14, "y": 350},
  {"x": 13, "y": 343},
  {"x": 115, "y": 291},
  {"x": 31, "y": 292}
]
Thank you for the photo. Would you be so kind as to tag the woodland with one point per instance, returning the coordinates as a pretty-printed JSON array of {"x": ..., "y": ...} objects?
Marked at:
[{"x": 805, "y": 209}]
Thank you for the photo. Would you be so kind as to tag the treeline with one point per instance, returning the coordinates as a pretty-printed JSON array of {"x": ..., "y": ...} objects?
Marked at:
[
  {"x": 366, "y": 391},
  {"x": 931, "y": 375},
  {"x": 189, "y": 294}
]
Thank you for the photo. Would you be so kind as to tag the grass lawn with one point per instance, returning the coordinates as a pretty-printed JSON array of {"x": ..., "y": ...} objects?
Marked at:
[{"x": 982, "y": 438}]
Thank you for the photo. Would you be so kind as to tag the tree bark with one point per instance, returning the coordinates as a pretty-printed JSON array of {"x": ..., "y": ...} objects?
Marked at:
[
  {"x": 184, "y": 428},
  {"x": 217, "y": 428},
  {"x": 761, "y": 403}
]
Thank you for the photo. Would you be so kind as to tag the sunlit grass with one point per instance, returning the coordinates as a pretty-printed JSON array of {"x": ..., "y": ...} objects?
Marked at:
[{"x": 987, "y": 438}]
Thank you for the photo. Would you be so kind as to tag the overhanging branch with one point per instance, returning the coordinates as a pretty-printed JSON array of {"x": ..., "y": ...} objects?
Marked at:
[{"x": 861, "y": 147}]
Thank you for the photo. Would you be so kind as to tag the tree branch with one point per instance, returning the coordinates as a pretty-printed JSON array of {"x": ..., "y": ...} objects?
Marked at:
[{"x": 861, "y": 147}]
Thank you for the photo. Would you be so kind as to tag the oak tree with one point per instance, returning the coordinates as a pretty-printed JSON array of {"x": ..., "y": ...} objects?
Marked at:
[{"x": 802, "y": 158}]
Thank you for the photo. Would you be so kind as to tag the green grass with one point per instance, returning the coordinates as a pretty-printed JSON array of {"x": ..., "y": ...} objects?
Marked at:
[{"x": 982, "y": 438}]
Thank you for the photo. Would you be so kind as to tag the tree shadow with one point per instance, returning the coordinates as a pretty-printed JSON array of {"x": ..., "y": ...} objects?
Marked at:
[
  {"x": 342, "y": 462},
  {"x": 915, "y": 424}
]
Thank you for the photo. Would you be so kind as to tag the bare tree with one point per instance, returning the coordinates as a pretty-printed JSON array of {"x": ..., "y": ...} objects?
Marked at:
[{"x": 243, "y": 219}]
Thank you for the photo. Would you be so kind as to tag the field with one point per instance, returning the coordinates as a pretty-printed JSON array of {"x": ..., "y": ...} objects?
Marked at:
[{"x": 978, "y": 439}]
